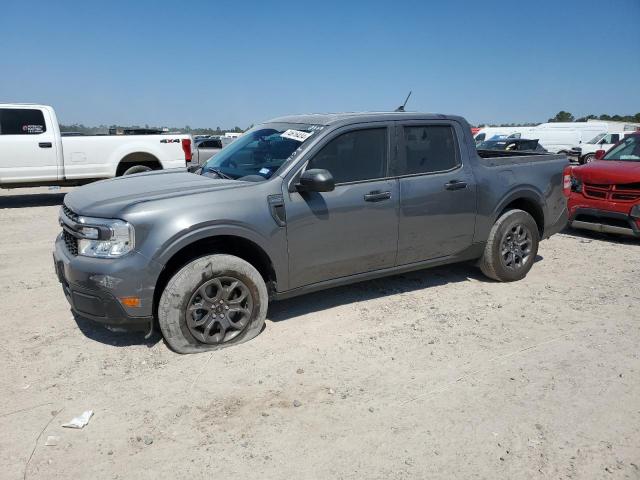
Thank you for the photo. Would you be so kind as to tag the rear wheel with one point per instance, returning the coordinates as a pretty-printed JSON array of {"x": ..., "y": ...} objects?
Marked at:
[
  {"x": 511, "y": 248},
  {"x": 213, "y": 302},
  {"x": 137, "y": 169}
]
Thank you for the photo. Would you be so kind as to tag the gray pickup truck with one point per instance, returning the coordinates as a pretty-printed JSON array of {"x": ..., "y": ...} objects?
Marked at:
[{"x": 298, "y": 204}]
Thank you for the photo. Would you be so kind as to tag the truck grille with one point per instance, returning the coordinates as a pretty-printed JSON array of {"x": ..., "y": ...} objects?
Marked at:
[
  {"x": 70, "y": 242},
  {"x": 628, "y": 192}
]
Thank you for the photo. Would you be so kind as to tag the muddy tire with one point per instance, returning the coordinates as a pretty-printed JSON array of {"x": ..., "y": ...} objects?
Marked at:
[
  {"x": 212, "y": 302},
  {"x": 511, "y": 248}
]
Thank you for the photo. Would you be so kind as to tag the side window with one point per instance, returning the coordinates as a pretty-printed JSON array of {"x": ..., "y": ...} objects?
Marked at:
[
  {"x": 615, "y": 138},
  {"x": 21, "y": 121},
  {"x": 428, "y": 149},
  {"x": 480, "y": 137},
  {"x": 354, "y": 156}
]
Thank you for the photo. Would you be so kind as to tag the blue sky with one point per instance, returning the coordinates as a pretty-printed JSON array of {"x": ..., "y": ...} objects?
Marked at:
[{"x": 209, "y": 63}]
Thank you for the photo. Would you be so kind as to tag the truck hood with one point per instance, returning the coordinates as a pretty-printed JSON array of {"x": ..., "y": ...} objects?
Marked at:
[
  {"x": 609, "y": 172},
  {"x": 106, "y": 199}
]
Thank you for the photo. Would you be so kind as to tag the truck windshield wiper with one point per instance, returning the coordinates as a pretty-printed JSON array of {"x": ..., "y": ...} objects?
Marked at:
[{"x": 217, "y": 172}]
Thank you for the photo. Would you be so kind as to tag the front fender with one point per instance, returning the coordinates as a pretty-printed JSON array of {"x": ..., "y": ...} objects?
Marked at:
[{"x": 273, "y": 245}]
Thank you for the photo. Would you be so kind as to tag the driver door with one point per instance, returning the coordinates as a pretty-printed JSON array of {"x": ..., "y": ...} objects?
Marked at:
[{"x": 354, "y": 228}]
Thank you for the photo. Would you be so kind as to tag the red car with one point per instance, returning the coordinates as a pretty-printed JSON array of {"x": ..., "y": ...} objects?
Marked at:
[{"x": 605, "y": 194}]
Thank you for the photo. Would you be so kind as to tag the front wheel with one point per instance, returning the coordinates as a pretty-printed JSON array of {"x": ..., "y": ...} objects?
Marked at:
[
  {"x": 212, "y": 302},
  {"x": 588, "y": 158},
  {"x": 511, "y": 248}
]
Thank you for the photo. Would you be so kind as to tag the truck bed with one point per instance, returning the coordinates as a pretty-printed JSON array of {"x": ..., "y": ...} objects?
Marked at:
[
  {"x": 494, "y": 158},
  {"x": 499, "y": 173}
]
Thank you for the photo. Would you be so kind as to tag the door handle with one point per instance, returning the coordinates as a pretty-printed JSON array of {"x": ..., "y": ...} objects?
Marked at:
[
  {"x": 377, "y": 196},
  {"x": 45, "y": 145},
  {"x": 455, "y": 185}
]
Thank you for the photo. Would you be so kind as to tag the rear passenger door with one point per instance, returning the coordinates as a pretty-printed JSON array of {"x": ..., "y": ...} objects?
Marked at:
[
  {"x": 28, "y": 146},
  {"x": 353, "y": 229},
  {"x": 437, "y": 191}
]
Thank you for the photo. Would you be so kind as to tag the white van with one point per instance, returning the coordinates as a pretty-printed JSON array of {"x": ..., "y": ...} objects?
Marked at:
[
  {"x": 563, "y": 137},
  {"x": 604, "y": 141},
  {"x": 487, "y": 133}
]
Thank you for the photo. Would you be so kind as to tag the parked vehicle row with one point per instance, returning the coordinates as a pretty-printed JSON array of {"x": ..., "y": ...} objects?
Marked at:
[
  {"x": 299, "y": 204},
  {"x": 33, "y": 152},
  {"x": 570, "y": 138}
]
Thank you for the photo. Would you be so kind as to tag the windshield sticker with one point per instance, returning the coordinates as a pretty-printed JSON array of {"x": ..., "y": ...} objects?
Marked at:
[
  {"x": 297, "y": 135},
  {"x": 264, "y": 171}
]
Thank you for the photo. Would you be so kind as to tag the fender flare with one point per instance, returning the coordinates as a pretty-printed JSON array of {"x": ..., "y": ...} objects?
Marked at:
[
  {"x": 201, "y": 232},
  {"x": 527, "y": 192},
  {"x": 133, "y": 147}
]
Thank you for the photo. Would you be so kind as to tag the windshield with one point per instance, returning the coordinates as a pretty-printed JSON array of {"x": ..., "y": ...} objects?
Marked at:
[
  {"x": 261, "y": 151},
  {"x": 492, "y": 145},
  {"x": 627, "y": 150},
  {"x": 596, "y": 139}
]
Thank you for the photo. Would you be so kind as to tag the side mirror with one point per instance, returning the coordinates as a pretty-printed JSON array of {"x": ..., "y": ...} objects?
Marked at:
[
  {"x": 193, "y": 168},
  {"x": 600, "y": 154},
  {"x": 316, "y": 180}
]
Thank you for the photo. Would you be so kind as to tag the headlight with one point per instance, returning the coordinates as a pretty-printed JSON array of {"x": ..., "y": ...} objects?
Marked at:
[
  {"x": 576, "y": 184},
  {"x": 105, "y": 238}
]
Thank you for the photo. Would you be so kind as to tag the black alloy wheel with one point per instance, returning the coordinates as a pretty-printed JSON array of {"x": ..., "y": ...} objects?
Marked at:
[
  {"x": 219, "y": 310},
  {"x": 515, "y": 249}
]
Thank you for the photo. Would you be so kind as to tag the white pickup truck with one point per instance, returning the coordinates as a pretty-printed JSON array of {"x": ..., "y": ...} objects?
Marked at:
[{"x": 34, "y": 153}]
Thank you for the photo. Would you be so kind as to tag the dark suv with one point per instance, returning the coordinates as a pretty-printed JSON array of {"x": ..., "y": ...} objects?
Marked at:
[{"x": 298, "y": 204}]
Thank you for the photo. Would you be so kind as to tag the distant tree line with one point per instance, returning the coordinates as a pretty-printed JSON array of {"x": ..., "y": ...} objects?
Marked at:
[
  {"x": 563, "y": 116},
  {"x": 104, "y": 129}
]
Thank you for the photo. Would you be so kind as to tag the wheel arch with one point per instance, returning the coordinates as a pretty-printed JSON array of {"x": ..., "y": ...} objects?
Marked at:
[
  {"x": 529, "y": 201},
  {"x": 197, "y": 246},
  {"x": 138, "y": 158}
]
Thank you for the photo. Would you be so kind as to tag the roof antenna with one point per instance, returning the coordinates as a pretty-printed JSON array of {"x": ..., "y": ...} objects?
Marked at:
[{"x": 401, "y": 107}]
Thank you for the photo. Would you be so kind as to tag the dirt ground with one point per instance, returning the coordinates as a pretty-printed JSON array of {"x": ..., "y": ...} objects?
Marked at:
[{"x": 434, "y": 374}]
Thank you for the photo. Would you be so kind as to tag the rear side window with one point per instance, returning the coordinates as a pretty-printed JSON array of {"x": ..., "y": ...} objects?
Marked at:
[
  {"x": 21, "y": 121},
  {"x": 428, "y": 149},
  {"x": 354, "y": 156}
]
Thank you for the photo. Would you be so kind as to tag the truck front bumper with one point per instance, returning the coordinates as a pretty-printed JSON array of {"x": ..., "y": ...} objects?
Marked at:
[{"x": 93, "y": 286}]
